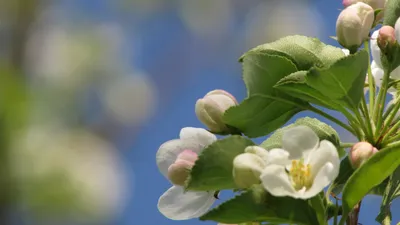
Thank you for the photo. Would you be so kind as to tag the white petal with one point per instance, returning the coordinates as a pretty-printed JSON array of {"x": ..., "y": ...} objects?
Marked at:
[
  {"x": 397, "y": 30},
  {"x": 177, "y": 205},
  {"x": 377, "y": 73},
  {"x": 169, "y": 151},
  {"x": 259, "y": 151},
  {"x": 345, "y": 51},
  {"x": 326, "y": 152},
  {"x": 198, "y": 137},
  {"x": 325, "y": 164},
  {"x": 299, "y": 140},
  {"x": 375, "y": 50},
  {"x": 278, "y": 156},
  {"x": 276, "y": 181},
  {"x": 395, "y": 74},
  {"x": 324, "y": 177}
]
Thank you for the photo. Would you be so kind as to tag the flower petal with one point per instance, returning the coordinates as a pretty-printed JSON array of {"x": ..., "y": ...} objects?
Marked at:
[
  {"x": 395, "y": 74},
  {"x": 325, "y": 176},
  {"x": 257, "y": 150},
  {"x": 375, "y": 50},
  {"x": 197, "y": 137},
  {"x": 345, "y": 51},
  {"x": 326, "y": 152},
  {"x": 325, "y": 163},
  {"x": 176, "y": 204},
  {"x": 299, "y": 140},
  {"x": 377, "y": 73},
  {"x": 276, "y": 181},
  {"x": 278, "y": 156}
]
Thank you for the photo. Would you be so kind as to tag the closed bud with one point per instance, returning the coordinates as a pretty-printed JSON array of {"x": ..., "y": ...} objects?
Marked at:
[
  {"x": 179, "y": 171},
  {"x": 247, "y": 168},
  {"x": 386, "y": 38},
  {"x": 211, "y": 108},
  {"x": 353, "y": 25},
  {"x": 375, "y": 4},
  {"x": 360, "y": 153}
]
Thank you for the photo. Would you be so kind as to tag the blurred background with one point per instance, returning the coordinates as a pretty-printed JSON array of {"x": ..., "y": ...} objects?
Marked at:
[{"x": 89, "y": 89}]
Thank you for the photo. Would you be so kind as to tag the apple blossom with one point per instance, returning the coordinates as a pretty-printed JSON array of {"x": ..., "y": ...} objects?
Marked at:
[
  {"x": 375, "y": 50},
  {"x": 303, "y": 167},
  {"x": 211, "y": 108},
  {"x": 173, "y": 158},
  {"x": 360, "y": 153},
  {"x": 353, "y": 25}
]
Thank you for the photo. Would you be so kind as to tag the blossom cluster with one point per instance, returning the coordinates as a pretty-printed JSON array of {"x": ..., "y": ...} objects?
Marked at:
[{"x": 298, "y": 161}]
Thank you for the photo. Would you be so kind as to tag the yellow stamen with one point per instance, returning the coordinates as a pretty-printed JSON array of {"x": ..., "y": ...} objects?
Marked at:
[{"x": 300, "y": 174}]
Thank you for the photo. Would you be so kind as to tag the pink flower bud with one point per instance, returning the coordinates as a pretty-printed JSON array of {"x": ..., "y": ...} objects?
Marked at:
[
  {"x": 211, "y": 108},
  {"x": 353, "y": 25},
  {"x": 179, "y": 171},
  {"x": 386, "y": 37},
  {"x": 360, "y": 153}
]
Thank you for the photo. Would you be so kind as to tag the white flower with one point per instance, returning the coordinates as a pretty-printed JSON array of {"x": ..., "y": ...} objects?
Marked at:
[
  {"x": 303, "y": 167},
  {"x": 375, "y": 50},
  {"x": 175, "y": 203}
]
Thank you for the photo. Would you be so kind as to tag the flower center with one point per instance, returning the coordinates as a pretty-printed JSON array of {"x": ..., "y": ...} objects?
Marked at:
[{"x": 300, "y": 174}]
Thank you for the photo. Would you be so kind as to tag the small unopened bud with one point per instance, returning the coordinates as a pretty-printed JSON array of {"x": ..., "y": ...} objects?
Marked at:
[
  {"x": 397, "y": 30},
  {"x": 247, "y": 168},
  {"x": 179, "y": 171},
  {"x": 360, "y": 153},
  {"x": 353, "y": 25},
  {"x": 386, "y": 38},
  {"x": 211, "y": 108},
  {"x": 375, "y": 4}
]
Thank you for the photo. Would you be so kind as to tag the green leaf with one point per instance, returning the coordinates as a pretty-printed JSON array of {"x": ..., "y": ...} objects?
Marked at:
[
  {"x": 317, "y": 204},
  {"x": 340, "y": 84},
  {"x": 391, "y": 192},
  {"x": 259, "y": 115},
  {"x": 261, "y": 71},
  {"x": 370, "y": 174},
  {"x": 213, "y": 170},
  {"x": 257, "y": 205},
  {"x": 295, "y": 85},
  {"x": 392, "y": 12},
  {"x": 345, "y": 171},
  {"x": 323, "y": 131},
  {"x": 304, "y": 52}
]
